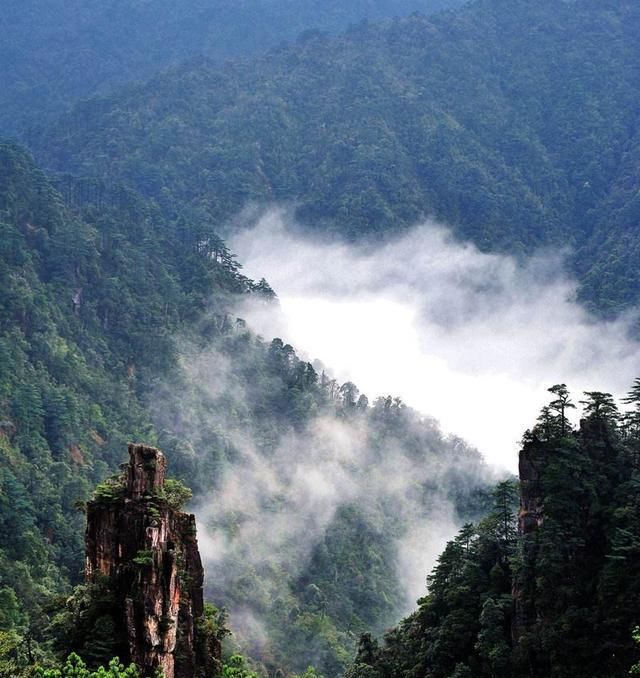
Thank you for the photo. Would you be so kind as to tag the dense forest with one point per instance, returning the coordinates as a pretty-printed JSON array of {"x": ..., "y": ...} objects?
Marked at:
[
  {"x": 107, "y": 310},
  {"x": 88, "y": 308},
  {"x": 144, "y": 129},
  {"x": 58, "y": 51},
  {"x": 513, "y": 122},
  {"x": 557, "y": 594}
]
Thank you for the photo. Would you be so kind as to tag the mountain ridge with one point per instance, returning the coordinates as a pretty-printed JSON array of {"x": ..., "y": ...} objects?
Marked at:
[{"x": 514, "y": 125}]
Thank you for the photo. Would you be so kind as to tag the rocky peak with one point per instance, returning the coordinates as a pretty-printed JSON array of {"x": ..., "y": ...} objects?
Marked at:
[
  {"x": 532, "y": 464},
  {"x": 147, "y": 552},
  {"x": 145, "y": 472}
]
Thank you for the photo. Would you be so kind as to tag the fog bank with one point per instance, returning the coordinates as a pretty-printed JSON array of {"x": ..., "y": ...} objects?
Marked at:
[
  {"x": 472, "y": 339},
  {"x": 375, "y": 490}
]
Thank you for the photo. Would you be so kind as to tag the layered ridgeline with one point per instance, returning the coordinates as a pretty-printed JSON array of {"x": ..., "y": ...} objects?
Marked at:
[
  {"x": 116, "y": 323},
  {"x": 513, "y": 121},
  {"x": 59, "y": 51},
  {"x": 553, "y": 592}
]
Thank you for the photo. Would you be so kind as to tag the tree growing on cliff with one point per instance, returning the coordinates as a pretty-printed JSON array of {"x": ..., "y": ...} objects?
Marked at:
[
  {"x": 505, "y": 499},
  {"x": 600, "y": 406},
  {"x": 176, "y": 493},
  {"x": 560, "y": 405},
  {"x": 74, "y": 667}
]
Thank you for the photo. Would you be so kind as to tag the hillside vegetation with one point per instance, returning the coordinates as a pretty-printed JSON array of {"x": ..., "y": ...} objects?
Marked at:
[
  {"x": 557, "y": 597},
  {"x": 88, "y": 307},
  {"x": 58, "y": 51},
  {"x": 117, "y": 324},
  {"x": 514, "y": 122}
]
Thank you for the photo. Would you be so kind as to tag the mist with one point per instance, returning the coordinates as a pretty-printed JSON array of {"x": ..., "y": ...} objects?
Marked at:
[
  {"x": 470, "y": 342},
  {"x": 271, "y": 511},
  {"x": 472, "y": 339},
  {"x": 279, "y": 494}
]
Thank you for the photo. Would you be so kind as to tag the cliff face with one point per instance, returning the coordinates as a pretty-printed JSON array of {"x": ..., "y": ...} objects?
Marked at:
[
  {"x": 147, "y": 552},
  {"x": 532, "y": 463}
]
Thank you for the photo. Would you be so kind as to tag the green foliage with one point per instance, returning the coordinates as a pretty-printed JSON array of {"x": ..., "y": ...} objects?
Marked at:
[
  {"x": 10, "y": 661},
  {"x": 89, "y": 302},
  {"x": 212, "y": 625},
  {"x": 83, "y": 623},
  {"x": 560, "y": 405},
  {"x": 74, "y": 388},
  {"x": 74, "y": 667},
  {"x": 110, "y": 489},
  {"x": 143, "y": 558},
  {"x": 236, "y": 667},
  {"x": 518, "y": 138},
  {"x": 60, "y": 54},
  {"x": 560, "y": 597},
  {"x": 176, "y": 493},
  {"x": 310, "y": 672},
  {"x": 512, "y": 121}
]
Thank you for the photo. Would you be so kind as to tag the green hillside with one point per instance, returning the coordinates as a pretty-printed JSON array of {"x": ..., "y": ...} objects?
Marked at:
[
  {"x": 54, "y": 52},
  {"x": 514, "y": 122},
  {"x": 88, "y": 308},
  {"x": 117, "y": 324},
  {"x": 558, "y": 596}
]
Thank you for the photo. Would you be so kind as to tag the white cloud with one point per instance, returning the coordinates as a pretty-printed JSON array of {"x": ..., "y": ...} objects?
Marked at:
[{"x": 470, "y": 338}]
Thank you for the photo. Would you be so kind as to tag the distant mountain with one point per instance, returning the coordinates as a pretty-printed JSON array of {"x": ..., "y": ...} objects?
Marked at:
[
  {"x": 515, "y": 122},
  {"x": 56, "y": 51}
]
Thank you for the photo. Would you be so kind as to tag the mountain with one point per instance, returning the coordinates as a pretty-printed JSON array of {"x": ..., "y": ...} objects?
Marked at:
[
  {"x": 514, "y": 122},
  {"x": 557, "y": 597},
  {"x": 121, "y": 319},
  {"x": 88, "y": 308},
  {"x": 119, "y": 324},
  {"x": 58, "y": 51}
]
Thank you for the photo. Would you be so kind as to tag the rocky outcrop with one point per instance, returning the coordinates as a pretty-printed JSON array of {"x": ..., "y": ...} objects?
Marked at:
[
  {"x": 532, "y": 464},
  {"x": 146, "y": 551}
]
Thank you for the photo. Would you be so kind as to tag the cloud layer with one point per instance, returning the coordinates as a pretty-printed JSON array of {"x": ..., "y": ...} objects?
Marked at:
[{"x": 473, "y": 339}]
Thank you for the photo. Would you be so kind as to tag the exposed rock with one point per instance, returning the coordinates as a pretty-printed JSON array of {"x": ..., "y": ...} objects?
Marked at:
[
  {"x": 149, "y": 553},
  {"x": 531, "y": 466},
  {"x": 145, "y": 472},
  {"x": 532, "y": 463}
]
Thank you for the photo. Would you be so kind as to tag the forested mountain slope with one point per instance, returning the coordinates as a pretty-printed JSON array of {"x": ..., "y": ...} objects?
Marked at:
[
  {"x": 559, "y": 596},
  {"x": 57, "y": 51},
  {"x": 515, "y": 122},
  {"x": 87, "y": 309},
  {"x": 117, "y": 324}
]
